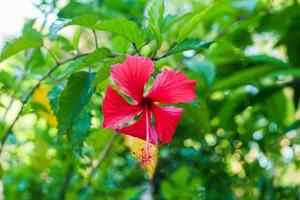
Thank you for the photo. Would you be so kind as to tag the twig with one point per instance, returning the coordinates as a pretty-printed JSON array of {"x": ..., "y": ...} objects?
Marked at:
[
  {"x": 26, "y": 99},
  {"x": 52, "y": 55},
  {"x": 163, "y": 56},
  {"x": 101, "y": 158},
  {"x": 67, "y": 181},
  {"x": 8, "y": 108},
  {"x": 136, "y": 49},
  {"x": 147, "y": 42},
  {"x": 96, "y": 41}
]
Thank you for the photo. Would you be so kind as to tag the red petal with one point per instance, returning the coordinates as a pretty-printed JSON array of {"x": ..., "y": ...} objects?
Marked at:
[
  {"x": 116, "y": 110},
  {"x": 139, "y": 129},
  {"x": 132, "y": 75},
  {"x": 172, "y": 87},
  {"x": 166, "y": 119}
]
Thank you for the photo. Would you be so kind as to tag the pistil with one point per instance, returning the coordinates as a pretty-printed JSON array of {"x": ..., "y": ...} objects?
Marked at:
[{"x": 146, "y": 151}]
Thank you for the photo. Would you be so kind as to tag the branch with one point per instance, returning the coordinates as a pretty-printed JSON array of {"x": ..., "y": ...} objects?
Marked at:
[
  {"x": 27, "y": 98},
  {"x": 100, "y": 159},
  {"x": 67, "y": 181}
]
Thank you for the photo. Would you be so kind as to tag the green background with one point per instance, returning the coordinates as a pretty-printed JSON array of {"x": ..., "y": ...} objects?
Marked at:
[{"x": 238, "y": 140}]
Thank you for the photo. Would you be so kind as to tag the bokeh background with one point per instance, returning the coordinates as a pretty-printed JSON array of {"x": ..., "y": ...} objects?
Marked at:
[{"x": 239, "y": 139}]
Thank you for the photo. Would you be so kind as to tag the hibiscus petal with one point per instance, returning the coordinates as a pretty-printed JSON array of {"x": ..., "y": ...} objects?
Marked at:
[
  {"x": 166, "y": 119},
  {"x": 139, "y": 129},
  {"x": 172, "y": 87},
  {"x": 132, "y": 75},
  {"x": 116, "y": 110}
]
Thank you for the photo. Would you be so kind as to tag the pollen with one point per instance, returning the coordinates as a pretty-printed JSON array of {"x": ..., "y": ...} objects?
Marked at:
[{"x": 147, "y": 157}]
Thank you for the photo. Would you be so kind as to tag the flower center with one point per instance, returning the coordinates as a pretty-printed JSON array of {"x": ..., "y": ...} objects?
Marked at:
[{"x": 146, "y": 103}]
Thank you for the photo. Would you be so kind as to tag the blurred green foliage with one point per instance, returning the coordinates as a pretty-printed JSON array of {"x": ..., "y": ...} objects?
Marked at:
[{"x": 239, "y": 140}]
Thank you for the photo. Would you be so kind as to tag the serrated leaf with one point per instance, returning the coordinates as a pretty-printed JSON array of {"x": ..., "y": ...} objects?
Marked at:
[
  {"x": 123, "y": 27},
  {"x": 189, "y": 44},
  {"x": 53, "y": 96},
  {"x": 40, "y": 97},
  {"x": 86, "y": 20},
  {"x": 80, "y": 130},
  {"x": 73, "y": 99},
  {"x": 30, "y": 39},
  {"x": 136, "y": 145},
  {"x": 94, "y": 57}
]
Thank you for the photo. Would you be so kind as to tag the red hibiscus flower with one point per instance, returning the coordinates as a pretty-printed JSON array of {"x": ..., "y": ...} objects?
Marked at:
[{"x": 143, "y": 117}]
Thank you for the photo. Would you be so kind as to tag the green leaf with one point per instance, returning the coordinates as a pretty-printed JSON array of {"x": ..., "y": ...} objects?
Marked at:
[
  {"x": 295, "y": 125},
  {"x": 171, "y": 20},
  {"x": 76, "y": 37},
  {"x": 7, "y": 81},
  {"x": 187, "y": 28},
  {"x": 120, "y": 45},
  {"x": 268, "y": 60},
  {"x": 243, "y": 77},
  {"x": 94, "y": 57},
  {"x": 86, "y": 20},
  {"x": 123, "y": 27},
  {"x": 104, "y": 71},
  {"x": 287, "y": 72},
  {"x": 74, "y": 9},
  {"x": 157, "y": 34},
  {"x": 35, "y": 59},
  {"x": 206, "y": 69},
  {"x": 73, "y": 99},
  {"x": 102, "y": 74},
  {"x": 80, "y": 130},
  {"x": 53, "y": 97},
  {"x": 280, "y": 111},
  {"x": 189, "y": 44},
  {"x": 156, "y": 14},
  {"x": 181, "y": 176},
  {"x": 192, "y": 114},
  {"x": 30, "y": 39}
]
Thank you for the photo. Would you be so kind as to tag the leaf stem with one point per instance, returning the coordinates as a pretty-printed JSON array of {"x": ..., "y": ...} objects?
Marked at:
[
  {"x": 52, "y": 55},
  {"x": 95, "y": 37},
  {"x": 136, "y": 49}
]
